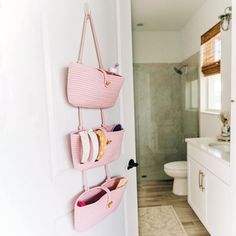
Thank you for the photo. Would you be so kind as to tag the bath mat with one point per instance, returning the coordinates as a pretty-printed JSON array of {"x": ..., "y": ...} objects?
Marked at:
[{"x": 160, "y": 221}]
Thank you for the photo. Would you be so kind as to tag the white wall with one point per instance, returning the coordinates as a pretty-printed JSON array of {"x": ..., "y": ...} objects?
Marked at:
[
  {"x": 210, "y": 125},
  {"x": 200, "y": 22},
  {"x": 157, "y": 47},
  {"x": 203, "y": 20}
]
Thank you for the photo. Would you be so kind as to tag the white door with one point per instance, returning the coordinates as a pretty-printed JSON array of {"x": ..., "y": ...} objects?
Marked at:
[{"x": 38, "y": 183}]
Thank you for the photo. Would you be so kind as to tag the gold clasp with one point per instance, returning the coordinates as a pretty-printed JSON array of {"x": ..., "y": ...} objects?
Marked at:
[
  {"x": 109, "y": 141},
  {"x": 109, "y": 204},
  {"x": 107, "y": 83}
]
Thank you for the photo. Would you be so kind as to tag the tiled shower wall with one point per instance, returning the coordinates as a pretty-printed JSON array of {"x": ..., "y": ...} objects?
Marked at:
[{"x": 163, "y": 117}]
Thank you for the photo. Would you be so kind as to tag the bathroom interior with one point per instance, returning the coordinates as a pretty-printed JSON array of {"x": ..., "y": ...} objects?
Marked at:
[{"x": 180, "y": 105}]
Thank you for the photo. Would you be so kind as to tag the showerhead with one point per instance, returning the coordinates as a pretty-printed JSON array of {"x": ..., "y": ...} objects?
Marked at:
[{"x": 179, "y": 70}]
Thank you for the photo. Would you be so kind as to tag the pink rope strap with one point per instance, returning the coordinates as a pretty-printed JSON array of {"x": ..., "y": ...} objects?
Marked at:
[
  {"x": 81, "y": 50},
  {"x": 85, "y": 178},
  {"x": 81, "y": 123}
]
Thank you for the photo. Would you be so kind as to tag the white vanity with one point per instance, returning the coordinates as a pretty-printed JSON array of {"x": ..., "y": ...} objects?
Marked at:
[{"x": 209, "y": 183}]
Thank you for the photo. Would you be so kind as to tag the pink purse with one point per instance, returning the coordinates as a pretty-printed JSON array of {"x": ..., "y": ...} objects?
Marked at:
[
  {"x": 112, "y": 151},
  {"x": 94, "y": 204},
  {"x": 90, "y": 87}
]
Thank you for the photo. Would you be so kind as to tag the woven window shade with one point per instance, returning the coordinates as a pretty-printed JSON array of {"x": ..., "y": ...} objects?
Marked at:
[{"x": 211, "y": 51}]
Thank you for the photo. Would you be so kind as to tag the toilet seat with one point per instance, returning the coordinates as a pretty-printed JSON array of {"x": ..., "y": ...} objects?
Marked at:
[{"x": 176, "y": 165}]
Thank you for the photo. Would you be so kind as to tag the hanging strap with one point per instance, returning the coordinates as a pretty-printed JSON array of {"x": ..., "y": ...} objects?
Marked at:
[
  {"x": 85, "y": 178},
  {"x": 108, "y": 175},
  {"x": 102, "y": 117},
  {"x": 87, "y": 17},
  {"x": 81, "y": 127},
  {"x": 109, "y": 202},
  {"x": 80, "y": 115}
]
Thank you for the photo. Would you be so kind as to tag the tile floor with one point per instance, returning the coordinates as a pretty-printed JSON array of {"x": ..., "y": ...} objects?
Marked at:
[{"x": 159, "y": 193}]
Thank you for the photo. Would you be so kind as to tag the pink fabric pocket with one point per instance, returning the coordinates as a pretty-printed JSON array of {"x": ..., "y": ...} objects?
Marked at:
[
  {"x": 90, "y": 88},
  {"x": 100, "y": 202},
  {"x": 112, "y": 152}
]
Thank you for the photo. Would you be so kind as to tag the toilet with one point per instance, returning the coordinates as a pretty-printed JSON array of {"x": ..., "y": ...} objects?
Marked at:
[{"x": 178, "y": 171}]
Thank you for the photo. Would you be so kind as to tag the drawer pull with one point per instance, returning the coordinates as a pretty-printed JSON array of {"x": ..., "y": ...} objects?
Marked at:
[
  {"x": 202, "y": 178},
  {"x": 199, "y": 179}
]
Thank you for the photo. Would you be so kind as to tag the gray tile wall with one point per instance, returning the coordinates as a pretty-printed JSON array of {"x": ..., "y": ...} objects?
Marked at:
[{"x": 161, "y": 117}]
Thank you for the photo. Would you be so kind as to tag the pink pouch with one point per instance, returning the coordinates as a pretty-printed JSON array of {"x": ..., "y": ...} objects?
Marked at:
[
  {"x": 99, "y": 202},
  {"x": 90, "y": 87},
  {"x": 112, "y": 152}
]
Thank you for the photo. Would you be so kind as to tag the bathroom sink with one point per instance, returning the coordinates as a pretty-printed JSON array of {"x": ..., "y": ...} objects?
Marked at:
[{"x": 221, "y": 146}]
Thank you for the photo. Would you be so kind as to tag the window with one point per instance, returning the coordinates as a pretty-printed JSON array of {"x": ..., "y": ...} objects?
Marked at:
[
  {"x": 210, "y": 67},
  {"x": 214, "y": 93},
  {"x": 191, "y": 95}
]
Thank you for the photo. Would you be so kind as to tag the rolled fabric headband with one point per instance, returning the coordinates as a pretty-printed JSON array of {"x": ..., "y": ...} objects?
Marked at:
[
  {"x": 95, "y": 144},
  {"x": 85, "y": 146},
  {"x": 103, "y": 143}
]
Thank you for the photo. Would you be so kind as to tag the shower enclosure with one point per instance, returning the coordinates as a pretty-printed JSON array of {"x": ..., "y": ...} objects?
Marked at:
[{"x": 166, "y": 112}]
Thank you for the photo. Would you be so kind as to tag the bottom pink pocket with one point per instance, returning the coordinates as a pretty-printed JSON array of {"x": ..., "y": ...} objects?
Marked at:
[{"x": 93, "y": 205}]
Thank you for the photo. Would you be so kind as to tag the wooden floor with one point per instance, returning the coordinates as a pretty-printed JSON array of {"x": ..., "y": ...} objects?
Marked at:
[{"x": 159, "y": 193}]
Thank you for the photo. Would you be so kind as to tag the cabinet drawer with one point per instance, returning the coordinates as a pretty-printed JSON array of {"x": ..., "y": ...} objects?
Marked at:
[{"x": 218, "y": 167}]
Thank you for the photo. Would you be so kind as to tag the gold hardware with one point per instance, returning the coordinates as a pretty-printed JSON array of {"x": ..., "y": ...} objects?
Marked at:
[
  {"x": 109, "y": 204},
  {"x": 202, "y": 175},
  {"x": 199, "y": 179},
  {"x": 109, "y": 141},
  {"x": 107, "y": 83}
]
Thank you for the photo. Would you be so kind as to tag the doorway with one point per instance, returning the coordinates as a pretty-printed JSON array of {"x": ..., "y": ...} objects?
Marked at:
[{"x": 168, "y": 101}]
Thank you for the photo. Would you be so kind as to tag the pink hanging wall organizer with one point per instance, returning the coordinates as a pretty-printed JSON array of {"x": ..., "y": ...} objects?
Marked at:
[{"x": 95, "y": 88}]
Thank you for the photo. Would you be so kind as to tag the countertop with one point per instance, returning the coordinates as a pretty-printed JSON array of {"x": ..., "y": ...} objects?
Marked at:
[{"x": 203, "y": 144}]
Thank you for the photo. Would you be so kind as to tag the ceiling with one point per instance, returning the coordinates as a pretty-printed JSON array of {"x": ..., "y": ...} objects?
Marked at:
[{"x": 163, "y": 15}]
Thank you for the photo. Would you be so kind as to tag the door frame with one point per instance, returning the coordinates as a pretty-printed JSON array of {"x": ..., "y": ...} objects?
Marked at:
[
  {"x": 233, "y": 125},
  {"x": 125, "y": 59}
]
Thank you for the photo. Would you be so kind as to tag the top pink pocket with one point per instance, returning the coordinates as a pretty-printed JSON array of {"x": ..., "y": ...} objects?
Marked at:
[{"x": 90, "y": 87}]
